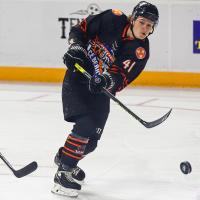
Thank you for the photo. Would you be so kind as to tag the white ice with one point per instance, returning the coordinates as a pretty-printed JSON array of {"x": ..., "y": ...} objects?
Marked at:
[{"x": 130, "y": 163}]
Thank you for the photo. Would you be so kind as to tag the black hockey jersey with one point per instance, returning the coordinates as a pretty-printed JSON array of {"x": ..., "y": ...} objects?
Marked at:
[{"x": 109, "y": 48}]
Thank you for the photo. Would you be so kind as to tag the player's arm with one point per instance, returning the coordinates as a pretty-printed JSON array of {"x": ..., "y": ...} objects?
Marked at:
[
  {"x": 90, "y": 28},
  {"x": 78, "y": 38},
  {"x": 122, "y": 72},
  {"x": 129, "y": 63},
  {"x": 108, "y": 22},
  {"x": 126, "y": 70}
]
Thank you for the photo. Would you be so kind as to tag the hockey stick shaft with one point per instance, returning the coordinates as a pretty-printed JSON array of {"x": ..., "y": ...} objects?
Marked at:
[
  {"x": 23, "y": 171},
  {"x": 105, "y": 91}
]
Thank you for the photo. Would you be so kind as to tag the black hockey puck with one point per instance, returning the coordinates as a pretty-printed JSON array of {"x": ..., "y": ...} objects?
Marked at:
[{"x": 186, "y": 167}]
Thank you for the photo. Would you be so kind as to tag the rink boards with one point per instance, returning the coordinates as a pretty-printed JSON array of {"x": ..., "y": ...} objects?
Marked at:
[{"x": 147, "y": 78}]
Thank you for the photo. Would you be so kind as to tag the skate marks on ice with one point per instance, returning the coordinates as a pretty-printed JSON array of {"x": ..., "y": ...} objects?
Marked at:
[
  {"x": 87, "y": 196},
  {"x": 154, "y": 190},
  {"x": 139, "y": 166}
]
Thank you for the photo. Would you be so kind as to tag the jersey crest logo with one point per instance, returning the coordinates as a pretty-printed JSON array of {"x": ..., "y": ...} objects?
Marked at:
[
  {"x": 117, "y": 12},
  {"x": 140, "y": 53}
]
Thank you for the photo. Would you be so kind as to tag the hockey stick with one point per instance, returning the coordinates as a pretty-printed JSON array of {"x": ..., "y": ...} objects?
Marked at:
[
  {"x": 146, "y": 124},
  {"x": 21, "y": 172}
]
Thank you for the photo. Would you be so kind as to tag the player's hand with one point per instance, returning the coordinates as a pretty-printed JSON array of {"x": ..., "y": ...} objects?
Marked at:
[
  {"x": 97, "y": 82},
  {"x": 75, "y": 54}
]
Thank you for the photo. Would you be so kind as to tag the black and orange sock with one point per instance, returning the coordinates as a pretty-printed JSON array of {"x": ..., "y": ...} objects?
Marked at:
[{"x": 73, "y": 150}]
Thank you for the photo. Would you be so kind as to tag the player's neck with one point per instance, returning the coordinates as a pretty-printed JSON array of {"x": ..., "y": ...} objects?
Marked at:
[{"x": 130, "y": 33}]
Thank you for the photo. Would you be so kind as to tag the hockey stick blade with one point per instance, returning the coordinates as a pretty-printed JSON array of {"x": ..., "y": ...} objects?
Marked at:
[
  {"x": 156, "y": 122},
  {"x": 105, "y": 91},
  {"x": 21, "y": 172},
  {"x": 31, "y": 167}
]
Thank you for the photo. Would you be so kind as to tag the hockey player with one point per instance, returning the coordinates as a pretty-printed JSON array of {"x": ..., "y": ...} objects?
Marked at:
[{"x": 114, "y": 49}]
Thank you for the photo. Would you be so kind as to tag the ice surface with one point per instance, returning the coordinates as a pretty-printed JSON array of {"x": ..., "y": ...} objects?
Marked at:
[{"x": 130, "y": 163}]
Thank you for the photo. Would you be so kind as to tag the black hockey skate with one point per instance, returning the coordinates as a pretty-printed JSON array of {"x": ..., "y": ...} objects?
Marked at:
[
  {"x": 78, "y": 174},
  {"x": 64, "y": 184}
]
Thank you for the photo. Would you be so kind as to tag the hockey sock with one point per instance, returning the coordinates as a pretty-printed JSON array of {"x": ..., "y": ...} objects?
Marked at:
[{"x": 73, "y": 150}]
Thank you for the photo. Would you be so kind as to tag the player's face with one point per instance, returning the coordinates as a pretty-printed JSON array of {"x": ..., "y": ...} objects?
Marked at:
[{"x": 142, "y": 27}]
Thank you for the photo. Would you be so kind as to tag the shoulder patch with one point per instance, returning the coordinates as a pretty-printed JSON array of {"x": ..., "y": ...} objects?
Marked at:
[
  {"x": 140, "y": 53},
  {"x": 117, "y": 12}
]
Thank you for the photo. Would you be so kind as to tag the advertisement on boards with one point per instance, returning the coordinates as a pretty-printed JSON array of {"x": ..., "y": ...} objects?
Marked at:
[
  {"x": 196, "y": 36},
  {"x": 76, "y": 16}
]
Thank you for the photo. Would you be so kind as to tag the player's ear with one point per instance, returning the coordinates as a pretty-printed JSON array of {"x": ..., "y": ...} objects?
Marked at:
[
  {"x": 132, "y": 22},
  {"x": 152, "y": 29}
]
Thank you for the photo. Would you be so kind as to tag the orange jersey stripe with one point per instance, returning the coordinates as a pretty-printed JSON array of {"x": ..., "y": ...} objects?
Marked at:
[{"x": 125, "y": 30}]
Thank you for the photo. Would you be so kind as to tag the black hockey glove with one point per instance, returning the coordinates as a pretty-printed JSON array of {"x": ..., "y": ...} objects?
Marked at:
[
  {"x": 97, "y": 82},
  {"x": 76, "y": 54}
]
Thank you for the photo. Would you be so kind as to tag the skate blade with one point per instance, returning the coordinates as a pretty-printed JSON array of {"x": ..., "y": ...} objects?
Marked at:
[{"x": 59, "y": 190}]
